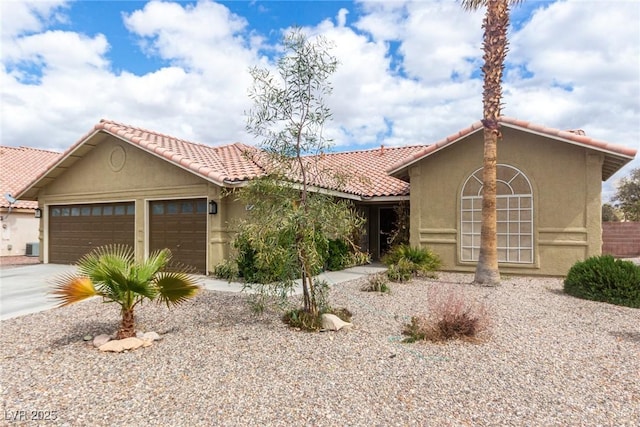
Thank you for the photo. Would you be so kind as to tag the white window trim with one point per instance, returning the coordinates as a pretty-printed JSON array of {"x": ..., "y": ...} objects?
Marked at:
[{"x": 517, "y": 246}]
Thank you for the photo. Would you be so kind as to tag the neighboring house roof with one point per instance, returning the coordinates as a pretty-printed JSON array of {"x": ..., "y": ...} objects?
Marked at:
[
  {"x": 18, "y": 167},
  {"x": 615, "y": 156},
  {"x": 235, "y": 164}
]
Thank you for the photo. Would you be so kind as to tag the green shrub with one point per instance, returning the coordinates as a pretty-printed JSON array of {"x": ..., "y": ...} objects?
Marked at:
[
  {"x": 377, "y": 283},
  {"x": 337, "y": 255},
  {"x": 279, "y": 264},
  {"x": 226, "y": 270},
  {"x": 606, "y": 279},
  {"x": 402, "y": 271},
  {"x": 405, "y": 262},
  {"x": 359, "y": 258}
]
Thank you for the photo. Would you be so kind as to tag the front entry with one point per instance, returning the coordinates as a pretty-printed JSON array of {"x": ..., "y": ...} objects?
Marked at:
[{"x": 388, "y": 220}]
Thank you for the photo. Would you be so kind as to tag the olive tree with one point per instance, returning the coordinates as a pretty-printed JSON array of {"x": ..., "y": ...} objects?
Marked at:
[{"x": 291, "y": 218}]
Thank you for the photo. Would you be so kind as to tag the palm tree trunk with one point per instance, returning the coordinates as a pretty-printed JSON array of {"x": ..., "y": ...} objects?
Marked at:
[
  {"x": 487, "y": 272},
  {"x": 495, "y": 25},
  {"x": 127, "y": 326}
]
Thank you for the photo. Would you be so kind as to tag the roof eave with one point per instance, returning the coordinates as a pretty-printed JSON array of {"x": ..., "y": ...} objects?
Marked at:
[{"x": 30, "y": 191}]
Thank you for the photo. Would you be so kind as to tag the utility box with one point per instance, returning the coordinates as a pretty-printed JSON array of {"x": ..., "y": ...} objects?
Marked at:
[{"x": 33, "y": 249}]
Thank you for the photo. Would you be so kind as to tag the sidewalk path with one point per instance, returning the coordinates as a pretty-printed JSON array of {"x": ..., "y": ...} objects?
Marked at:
[{"x": 331, "y": 277}]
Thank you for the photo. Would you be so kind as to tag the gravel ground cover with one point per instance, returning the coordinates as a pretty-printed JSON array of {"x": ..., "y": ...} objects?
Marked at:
[{"x": 550, "y": 360}]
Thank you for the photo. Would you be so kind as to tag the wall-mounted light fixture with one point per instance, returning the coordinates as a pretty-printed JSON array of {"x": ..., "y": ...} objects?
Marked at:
[
  {"x": 38, "y": 213},
  {"x": 213, "y": 207}
]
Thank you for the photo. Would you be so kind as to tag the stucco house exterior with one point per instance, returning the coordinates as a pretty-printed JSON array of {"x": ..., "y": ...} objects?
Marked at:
[
  {"x": 122, "y": 184},
  {"x": 18, "y": 222},
  {"x": 548, "y": 203},
  {"x": 126, "y": 185}
]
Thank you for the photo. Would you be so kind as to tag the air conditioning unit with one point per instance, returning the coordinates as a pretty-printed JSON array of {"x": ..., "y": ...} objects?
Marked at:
[{"x": 33, "y": 249}]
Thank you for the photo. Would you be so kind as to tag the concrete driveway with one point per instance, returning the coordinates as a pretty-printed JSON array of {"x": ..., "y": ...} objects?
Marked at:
[{"x": 23, "y": 289}]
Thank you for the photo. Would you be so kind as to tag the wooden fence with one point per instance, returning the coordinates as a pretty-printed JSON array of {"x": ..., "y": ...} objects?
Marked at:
[{"x": 621, "y": 239}]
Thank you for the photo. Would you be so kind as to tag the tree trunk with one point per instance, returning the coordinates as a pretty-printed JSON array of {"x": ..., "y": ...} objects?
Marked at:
[
  {"x": 495, "y": 44},
  {"x": 487, "y": 272},
  {"x": 127, "y": 326}
]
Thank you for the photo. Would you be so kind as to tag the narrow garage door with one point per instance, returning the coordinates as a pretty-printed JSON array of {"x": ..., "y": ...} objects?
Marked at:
[
  {"x": 75, "y": 230},
  {"x": 181, "y": 226}
]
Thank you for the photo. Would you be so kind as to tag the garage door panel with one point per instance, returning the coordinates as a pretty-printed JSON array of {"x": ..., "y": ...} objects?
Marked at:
[
  {"x": 181, "y": 226},
  {"x": 76, "y": 230}
]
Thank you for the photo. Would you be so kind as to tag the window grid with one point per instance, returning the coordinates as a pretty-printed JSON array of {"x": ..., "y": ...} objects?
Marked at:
[{"x": 514, "y": 221}]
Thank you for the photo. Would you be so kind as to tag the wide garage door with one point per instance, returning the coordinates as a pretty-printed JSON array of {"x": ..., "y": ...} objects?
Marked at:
[
  {"x": 74, "y": 230},
  {"x": 181, "y": 226}
]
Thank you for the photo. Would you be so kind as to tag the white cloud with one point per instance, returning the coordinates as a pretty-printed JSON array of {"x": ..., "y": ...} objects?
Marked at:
[
  {"x": 24, "y": 16},
  {"x": 572, "y": 64}
]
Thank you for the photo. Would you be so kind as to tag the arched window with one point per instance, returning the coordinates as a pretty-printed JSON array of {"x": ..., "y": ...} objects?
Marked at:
[{"x": 514, "y": 204}]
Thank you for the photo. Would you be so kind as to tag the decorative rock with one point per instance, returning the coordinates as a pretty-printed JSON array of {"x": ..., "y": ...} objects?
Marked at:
[
  {"x": 331, "y": 322},
  {"x": 87, "y": 338},
  {"x": 101, "y": 339},
  {"x": 150, "y": 336},
  {"x": 119, "y": 346}
]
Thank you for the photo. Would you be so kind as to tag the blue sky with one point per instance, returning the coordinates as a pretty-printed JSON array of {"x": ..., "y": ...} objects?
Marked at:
[{"x": 408, "y": 74}]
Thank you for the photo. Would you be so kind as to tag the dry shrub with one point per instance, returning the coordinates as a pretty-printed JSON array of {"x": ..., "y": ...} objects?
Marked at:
[{"x": 452, "y": 315}]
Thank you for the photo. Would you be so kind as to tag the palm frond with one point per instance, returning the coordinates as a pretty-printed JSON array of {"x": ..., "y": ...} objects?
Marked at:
[
  {"x": 151, "y": 266},
  {"x": 117, "y": 283},
  {"x": 175, "y": 287},
  {"x": 71, "y": 288},
  {"x": 117, "y": 256}
]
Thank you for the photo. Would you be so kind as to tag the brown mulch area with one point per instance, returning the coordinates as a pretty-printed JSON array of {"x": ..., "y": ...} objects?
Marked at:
[{"x": 6, "y": 261}]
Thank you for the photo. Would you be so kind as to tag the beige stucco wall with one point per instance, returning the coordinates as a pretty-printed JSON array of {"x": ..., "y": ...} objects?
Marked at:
[
  {"x": 18, "y": 228},
  {"x": 115, "y": 171},
  {"x": 566, "y": 182}
]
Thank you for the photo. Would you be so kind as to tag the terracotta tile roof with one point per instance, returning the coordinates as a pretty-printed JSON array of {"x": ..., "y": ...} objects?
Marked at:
[
  {"x": 234, "y": 164},
  {"x": 616, "y": 155},
  {"x": 18, "y": 167},
  {"x": 222, "y": 164},
  {"x": 363, "y": 173}
]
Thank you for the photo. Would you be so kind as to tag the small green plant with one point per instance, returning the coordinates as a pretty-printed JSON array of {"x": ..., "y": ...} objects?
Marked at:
[
  {"x": 402, "y": 271},
  {"x": 606, "y": 279},
  {"x": 226, "y": 270},
  {"x": 377, "y": 283},
  {"x": 359, "y": 258},
  {"x": 406, "y": 262},
  {"x": 451, "y": 316}
]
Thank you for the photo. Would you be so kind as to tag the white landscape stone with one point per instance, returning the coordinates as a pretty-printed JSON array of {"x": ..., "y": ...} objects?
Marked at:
[
  {"x": 101, "y": 339},
  {"x": 151, "y": 336},
  {"x": 331, "y": 322},
  {"x": 119, "y": 346}
]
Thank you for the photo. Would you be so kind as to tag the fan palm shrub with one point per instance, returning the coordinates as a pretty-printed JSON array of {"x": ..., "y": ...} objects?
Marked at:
[
  {"x": 112, "y": 273},
  {"x": 405, "y": 262}
]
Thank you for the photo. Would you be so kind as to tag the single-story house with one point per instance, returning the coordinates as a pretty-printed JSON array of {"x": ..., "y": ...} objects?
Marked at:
[
  {"x": 122, "y": 184},
  {"x": 548, "y": 196},
  {"x": 19, "y": 220}
]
